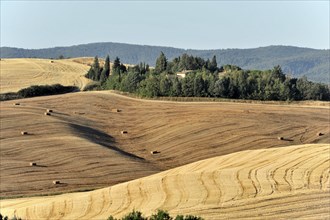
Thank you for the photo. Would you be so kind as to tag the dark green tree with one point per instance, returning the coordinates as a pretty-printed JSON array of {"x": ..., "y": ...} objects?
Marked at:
[
  {"x": 161, "y": 63},
  {"x": 130, "y": 82},
  {"x": 106, "y": 70},
  {"x": 188, "y": 86},
  {"x": 161, "y": 215},
  {"x": 134, "y": 215},
  {"x": 165, "y": 86},
  {"x": 198, "y": 86},
  {"x": 116, "y": 65},
  {"x": 96, "y": 69},
  {"x": 277, "y": 73},
  {"x": 213, "y": 66},
  {"x": 176, "y": 87},
  {"x": 94, "y": 72}
]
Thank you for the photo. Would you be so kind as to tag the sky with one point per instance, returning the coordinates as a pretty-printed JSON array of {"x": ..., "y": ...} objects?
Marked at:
[{"x": 182, "y": 24}]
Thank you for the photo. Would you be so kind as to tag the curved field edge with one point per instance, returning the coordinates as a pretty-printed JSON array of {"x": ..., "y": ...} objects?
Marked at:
[{"x": 290, "y": 182}]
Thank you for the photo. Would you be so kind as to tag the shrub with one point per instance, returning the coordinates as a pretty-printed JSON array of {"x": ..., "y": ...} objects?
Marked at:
[
  {"x": 44, "y": 90},
  {"x": 134, "y": 215},
  {"x": 160, "y": 215}
]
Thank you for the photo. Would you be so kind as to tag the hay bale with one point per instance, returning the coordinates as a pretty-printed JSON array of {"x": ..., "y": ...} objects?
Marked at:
[
  {"x": 49, "y": 110},
  {"x": 33, "y": 164},
  {"x": 16, "y": 103},
  {"x": 320, "y": 134},
  {"x": 124, "y": 132},
  {"x": 280, "y": 138},
  {"x": 154, "y": 152},
  {"x": 115, "y": 110},
  {"x": 24, "y": 132},
  {"x": 47, "y": 113},
  {"x": 56, "y": 182}
]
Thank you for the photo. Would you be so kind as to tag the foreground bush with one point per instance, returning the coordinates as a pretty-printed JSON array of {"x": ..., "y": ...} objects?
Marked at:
[{"x": 160, "y": 215}]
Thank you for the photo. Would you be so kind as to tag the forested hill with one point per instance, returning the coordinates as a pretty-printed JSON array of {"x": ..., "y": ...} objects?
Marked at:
[{"x": 295, "y": 61}]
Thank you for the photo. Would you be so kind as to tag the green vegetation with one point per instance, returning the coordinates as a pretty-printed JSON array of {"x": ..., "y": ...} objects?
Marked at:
[
  {"x": 314, "y": 64},
  {"x": 6, "y": 218},
  {"x": 203, "y": 78},
  {"x": 160, "y": 215},
  {"x": 41, "y": 90}
]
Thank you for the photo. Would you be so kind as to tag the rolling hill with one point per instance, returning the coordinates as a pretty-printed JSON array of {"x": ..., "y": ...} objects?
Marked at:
[
  {"x": 81, "y": 143},
  {"x": 281, "y": 183},
  {"x": 295, "y": 61},
  {"x": 21, "y": 73}
]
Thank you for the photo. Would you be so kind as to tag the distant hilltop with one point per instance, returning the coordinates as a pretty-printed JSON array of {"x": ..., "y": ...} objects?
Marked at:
[{"x": 295, "y": 61}]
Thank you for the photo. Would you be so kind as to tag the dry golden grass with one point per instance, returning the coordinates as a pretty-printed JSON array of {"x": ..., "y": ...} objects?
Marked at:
[
  {"x": 21, "y": 73},
  {"x": 278, "y": 183},
  {"x": 81, "y": 143}
]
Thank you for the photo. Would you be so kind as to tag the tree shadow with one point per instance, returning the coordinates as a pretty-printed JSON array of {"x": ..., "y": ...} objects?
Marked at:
[{"x": 100, "y": 138}]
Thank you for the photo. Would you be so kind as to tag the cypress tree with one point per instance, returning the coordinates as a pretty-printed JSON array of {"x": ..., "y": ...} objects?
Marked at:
[
  {"x": 161, "y": 63},
  {"x": 106, "y": 70}
]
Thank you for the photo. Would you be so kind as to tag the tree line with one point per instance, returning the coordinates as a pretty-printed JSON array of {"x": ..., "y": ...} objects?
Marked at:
[{"x": 203, "y": 78}]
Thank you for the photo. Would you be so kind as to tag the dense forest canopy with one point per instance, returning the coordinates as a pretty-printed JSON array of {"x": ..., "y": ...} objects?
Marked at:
[
  {"x": 312, "y": 63},
  {"x": 192, "y": 76}
]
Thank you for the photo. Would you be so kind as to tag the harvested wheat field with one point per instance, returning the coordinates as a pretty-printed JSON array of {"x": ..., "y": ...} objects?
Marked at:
[
  {"x": 81, "y": 144},
  {"x": 40, "y": 72},
  {"x": 285, "y": 182}
]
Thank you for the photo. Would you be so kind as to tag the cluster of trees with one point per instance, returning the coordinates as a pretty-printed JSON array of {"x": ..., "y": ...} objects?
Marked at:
[
  {"x": 160, "y": 215},
  {"x": 185, "y": 62},
  {"x": 98, "y": 73},
  {"x": 101, "y": 74},
  {"x": 205, "y": 79}
]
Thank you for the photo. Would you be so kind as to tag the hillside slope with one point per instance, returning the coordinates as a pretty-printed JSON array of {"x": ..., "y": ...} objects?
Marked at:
[
  {"x": 21, "y": 73},
  {"x": 295, "y": 61},
  {"x": 290, "y": 182},
  {"x": 81, "y": 143}
]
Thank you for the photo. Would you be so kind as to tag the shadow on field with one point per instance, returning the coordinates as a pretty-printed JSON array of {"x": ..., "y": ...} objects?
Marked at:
[{"x": 101, "y": 138}]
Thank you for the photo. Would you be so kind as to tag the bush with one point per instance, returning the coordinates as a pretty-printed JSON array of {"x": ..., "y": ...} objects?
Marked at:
[
  {"x": 160, "y": 215},
  {"x": 6, "y": 217},
  {"x": 187, "y": 217},
  {"x": 44, "y": 90},
  {"x": 135, "y": 215},
  {"x": 41, "y": 90}
]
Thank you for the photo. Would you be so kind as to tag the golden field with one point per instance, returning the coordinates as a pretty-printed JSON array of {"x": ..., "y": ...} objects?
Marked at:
[
  {"x": 20, "y": 73},
  {"x": 219, "y": 160}
]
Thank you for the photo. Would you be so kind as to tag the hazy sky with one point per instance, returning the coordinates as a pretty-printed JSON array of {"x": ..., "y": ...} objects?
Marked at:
[{"x": 183, "y": 24}]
